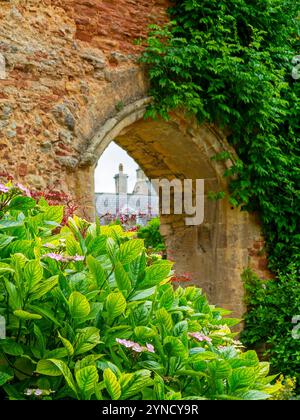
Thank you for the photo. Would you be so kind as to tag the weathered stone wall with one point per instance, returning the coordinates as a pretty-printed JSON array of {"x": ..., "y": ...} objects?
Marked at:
[
  {"x": 73, "y": 85},
  {"x": 66, "y": 61}
]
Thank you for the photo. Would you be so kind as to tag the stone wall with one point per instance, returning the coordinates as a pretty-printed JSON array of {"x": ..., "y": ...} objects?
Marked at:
[
  {"x": 66, "y": 61},
  {"x": 73, "y": 85}
]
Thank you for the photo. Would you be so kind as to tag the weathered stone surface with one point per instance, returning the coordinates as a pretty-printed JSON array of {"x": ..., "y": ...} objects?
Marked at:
[
  {"x": 65, "y": 136},
  {"x": 64, "y": 116},
  {"x": 68, "y": 162},
  {"x": 95, "y": 57},
  {"x": 46, "y": 146}
]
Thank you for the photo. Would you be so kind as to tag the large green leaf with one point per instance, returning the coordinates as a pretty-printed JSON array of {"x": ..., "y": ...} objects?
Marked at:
[
  {"x": 5, "y": 240},
  {"x": 180, "y": 328},
  {"x": 115, "y": 304},
  {"x": 24, "y": 368},
  {"x": 87, "y": 378},
  {"x": 58, "y": 353},
  {"x": 130, "y": 250},
  {"x": 54, "y": 367},
  {"x": 159, "y": 388},
  {"x": 125, "y": 379},
  {"x": 26, "y": 315},
  {"x": 175, "y": 347},
  {"x": 122, "y": 278},
  {"x": 72, "y": 246},
  {"x": 142, "y": 294},
  {"x": 167, "y": 297},
  {"x": 18, "y": 262},
  {"x": 203, "y": 356},
  {"x": 54, "y": 214},
  {"x": 22, "y": 246},
  {"x": 251, "y": 357},
  {"x": 103, "y": 364},
  {"x": 6, "y": 268},
  {"x": 46, "y": 367},
  {"x": 155, "y": 274},
  {"x": 40, "y": 340},
  {"x": 11, "y": 347},
  {"x": 4, "y": 378},
  {"x": 255, "y": 395},
  {"x": 263, "y": 369},
  {"x": 140, "y": 380},
  {"x": 144, "y": 333},
  {"x": 97, "y": 271},
  {"x": 15, "y": 297},
  {"x": 89, "y": 360},
  {"x": 33, "y": 273},
  {"x": 79, "y": 306},
  {"x": 164, "y": 319},
  {"x": 22, "y": 203},
  {"x": 220, "y": 369},
  {"x": 97, "y": 246},
  {"x": 10, "y": 224},
  {"x": 68, "y": 346},
  {"x": 243, "y": 377},
  {"x": 43, "y": 288},
  {"x": 112, "y": 385},
  {"x": 86, "y": 339}
]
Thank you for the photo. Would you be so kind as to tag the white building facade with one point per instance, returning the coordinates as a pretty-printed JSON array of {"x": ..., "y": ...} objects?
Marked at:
[{"x": 141, "y": 205}]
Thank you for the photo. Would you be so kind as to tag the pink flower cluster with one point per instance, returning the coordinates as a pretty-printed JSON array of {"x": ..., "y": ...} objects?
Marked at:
[
  {"x": 36, "y": 392},
  {"x": 24, "y": 189},
  {"x": 135, "y": 346},
  {"x": 3, "y": 188},
  {"x": 200, "y": 337},
  {"x": 62, "y": 258}
]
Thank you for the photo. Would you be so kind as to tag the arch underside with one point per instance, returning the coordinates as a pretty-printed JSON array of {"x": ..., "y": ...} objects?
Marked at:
[{"x": 214, "y": 254}]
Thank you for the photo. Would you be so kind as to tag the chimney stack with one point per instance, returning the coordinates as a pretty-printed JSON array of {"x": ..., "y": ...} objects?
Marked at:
[{"x": 121, "y": 181}]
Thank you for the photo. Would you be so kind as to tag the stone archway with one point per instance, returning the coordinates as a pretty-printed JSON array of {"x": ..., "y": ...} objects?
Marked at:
[
  {"x": 214, "y": 253},
  {"x": 72, "y": 85}
]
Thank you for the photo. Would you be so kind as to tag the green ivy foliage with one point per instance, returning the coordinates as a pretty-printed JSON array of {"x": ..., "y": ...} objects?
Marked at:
[
  {"x": 230, "y": 63},
  {"x": 273, "y": 322}
]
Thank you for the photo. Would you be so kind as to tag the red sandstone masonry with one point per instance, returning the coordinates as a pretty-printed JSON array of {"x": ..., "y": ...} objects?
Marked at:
[{"x": 114, "y": 23}]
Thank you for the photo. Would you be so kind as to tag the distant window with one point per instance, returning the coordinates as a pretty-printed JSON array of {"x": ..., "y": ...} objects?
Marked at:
[
  {"x": 106, "y": 203},
  {"x": 138, "y": 203}
]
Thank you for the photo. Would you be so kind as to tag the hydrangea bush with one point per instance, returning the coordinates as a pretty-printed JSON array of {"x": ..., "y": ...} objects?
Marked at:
[{"x": 89, "y": 315}]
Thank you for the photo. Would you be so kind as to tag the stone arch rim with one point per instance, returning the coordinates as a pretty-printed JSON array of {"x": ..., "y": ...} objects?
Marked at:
[
  {"x": 131, "y": 113},
  {"x": 112, "y": 124}
]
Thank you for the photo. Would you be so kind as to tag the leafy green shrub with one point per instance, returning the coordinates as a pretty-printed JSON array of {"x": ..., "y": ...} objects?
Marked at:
[
  {"x": 87, "y": 318},
  {"x": 152, "y": 237},
  {"x": 230, "y": 63},
  {"x": 276, "y": 304}
]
